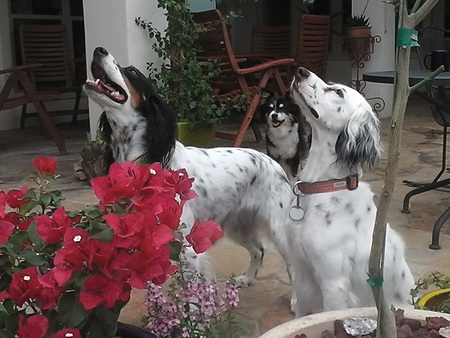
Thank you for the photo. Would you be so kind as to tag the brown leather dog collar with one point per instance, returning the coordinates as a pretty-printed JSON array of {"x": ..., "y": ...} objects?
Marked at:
[{"x": 349, "y": 183}]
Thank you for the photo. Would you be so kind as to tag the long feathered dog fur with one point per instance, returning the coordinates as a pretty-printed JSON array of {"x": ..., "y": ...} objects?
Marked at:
[
  {"x": 330, "y": 246},
  {"x": 230, "y": 182}
]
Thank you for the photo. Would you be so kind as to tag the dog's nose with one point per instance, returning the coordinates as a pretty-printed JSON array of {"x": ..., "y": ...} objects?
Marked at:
[
  {"x": 100, "y": 51},
  {"x": 302, "y": 73}
]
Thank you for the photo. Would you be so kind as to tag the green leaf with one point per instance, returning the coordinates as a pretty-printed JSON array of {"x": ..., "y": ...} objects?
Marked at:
[
  {"x": 31, "y": 193},
  {"x": 93, "y": 213},
  {"x": 18, "y": 238},
  {"x": 32, "y": 257},
  {"x": 6, "y": 334},
  {"x": 45, "y": 199},
  {"x": 56, "y": 196},
  {"x": 100, "y": 230},
  {"x": 27, "y": 207},
  {"x": 33, "y": 235},
  {"x": 104, "y": 322},
  {"x": 71, "y": 310},
  {"x": 175, "y": 250}
]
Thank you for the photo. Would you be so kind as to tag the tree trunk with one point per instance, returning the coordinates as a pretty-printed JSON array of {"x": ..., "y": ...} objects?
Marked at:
[{"x": 402, "y": 90}]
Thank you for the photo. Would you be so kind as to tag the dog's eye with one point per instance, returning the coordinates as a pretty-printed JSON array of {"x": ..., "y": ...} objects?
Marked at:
[
  {"x": 132, "y": 70},
  {"x": 339, "y": 92}
]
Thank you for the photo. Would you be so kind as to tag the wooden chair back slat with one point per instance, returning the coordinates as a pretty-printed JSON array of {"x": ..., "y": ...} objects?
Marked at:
[{"x": 313, "y": 42}]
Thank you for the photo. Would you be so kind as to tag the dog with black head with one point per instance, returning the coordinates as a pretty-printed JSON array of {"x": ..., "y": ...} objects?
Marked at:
[
  {"x": 138, "y": 126},
  {"x": 286, "y": 137}
]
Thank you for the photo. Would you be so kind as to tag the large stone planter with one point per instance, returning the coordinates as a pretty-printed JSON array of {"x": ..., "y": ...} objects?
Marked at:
[{"x": 313, "y": 326}]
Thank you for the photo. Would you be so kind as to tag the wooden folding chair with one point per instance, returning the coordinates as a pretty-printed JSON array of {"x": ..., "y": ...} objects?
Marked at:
[
  {"x": 312, "y": 42},
  {"x": 49, "y": 46},
  {"x": 271, "y": 41},
  {"x": 19, "y": 76},
  {"x": 214, "y": 44}
]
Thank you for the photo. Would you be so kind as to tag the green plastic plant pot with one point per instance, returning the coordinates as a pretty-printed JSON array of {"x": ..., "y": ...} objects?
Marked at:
[
  {"x": 433, "y": 298},
  {"x": 200, "y": 137}
]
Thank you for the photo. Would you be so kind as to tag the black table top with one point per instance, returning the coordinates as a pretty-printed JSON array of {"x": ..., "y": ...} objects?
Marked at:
[{"x": 415, "y": 76}]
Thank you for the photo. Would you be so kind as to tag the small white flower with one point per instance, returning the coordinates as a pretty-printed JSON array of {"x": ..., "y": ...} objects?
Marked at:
[
  {"x": 26, "y": 278},
  {"x": 153, "y": 171},
  {"x": 68, "y": 334},
  {"x": 77, "y": 238}
]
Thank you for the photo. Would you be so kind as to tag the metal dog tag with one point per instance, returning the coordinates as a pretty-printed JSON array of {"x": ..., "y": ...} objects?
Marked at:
[{"x": 296, "y": 213}]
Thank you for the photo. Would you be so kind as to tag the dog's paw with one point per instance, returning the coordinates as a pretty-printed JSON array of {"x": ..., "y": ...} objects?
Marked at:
[{"x": 243, "y": 281}]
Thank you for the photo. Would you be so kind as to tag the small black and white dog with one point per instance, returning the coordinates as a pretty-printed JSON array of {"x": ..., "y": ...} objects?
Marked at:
[
  {"x": 137, "y": 125},
  {"x": 286, "y": 139}
]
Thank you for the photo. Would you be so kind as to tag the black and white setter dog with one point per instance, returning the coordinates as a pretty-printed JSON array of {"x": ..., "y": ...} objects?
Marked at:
[
  {"x": 242, "y": 189},
  {"x": 330, "y": 243},
  {"x": 286, "y": 140}
]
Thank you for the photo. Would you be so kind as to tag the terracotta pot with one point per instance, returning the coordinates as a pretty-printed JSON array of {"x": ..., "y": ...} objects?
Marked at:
[
  {"x": 433, "y": 299},
  {"x": 358, "y": 32},
  {"x": 313, "y": 326}
]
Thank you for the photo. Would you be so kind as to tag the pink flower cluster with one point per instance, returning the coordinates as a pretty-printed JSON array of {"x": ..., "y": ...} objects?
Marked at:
[{"x": 192, "y": 305}]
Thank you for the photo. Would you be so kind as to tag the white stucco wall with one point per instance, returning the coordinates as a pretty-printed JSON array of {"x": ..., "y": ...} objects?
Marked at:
[
  {"x": 382, "y": 20},
  {"x": 110, "y": 24}
]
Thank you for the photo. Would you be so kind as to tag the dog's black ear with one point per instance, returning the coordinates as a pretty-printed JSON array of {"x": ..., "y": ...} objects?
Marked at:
[
  {"x": 266, "y": 95},
  {"x": 358, "y": 146},
  {"x": 160, "y": 134},
  {"x": 105, "y": 132}
]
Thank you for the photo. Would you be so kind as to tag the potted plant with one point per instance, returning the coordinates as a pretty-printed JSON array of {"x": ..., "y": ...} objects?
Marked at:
[
  {"x": 357, "y": 26},
  {"x": 182, "y": 79},
  {"x": 437, "y": 299},
  {"x": 357, "y": 34},
  {"x": 69, "y": 273}
]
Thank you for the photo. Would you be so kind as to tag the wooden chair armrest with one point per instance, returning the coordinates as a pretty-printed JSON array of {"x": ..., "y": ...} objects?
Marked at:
[
  {"x": 265, "y": 65},
  {"x": 20, "y": 68}
]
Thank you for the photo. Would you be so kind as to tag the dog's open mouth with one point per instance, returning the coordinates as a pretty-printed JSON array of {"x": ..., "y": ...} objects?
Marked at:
[
  {"x": 276, "y": 123},
  {"x": 104, "y": 85}
]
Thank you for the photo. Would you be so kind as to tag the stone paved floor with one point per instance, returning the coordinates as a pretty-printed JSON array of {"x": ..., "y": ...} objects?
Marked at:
[{"x": 265, "y": 303}]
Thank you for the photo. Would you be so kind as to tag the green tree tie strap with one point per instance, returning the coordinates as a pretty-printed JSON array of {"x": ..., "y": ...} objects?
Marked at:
[
  {"x": 407, "y": 37},
  {"x": 375, "y": 281}
]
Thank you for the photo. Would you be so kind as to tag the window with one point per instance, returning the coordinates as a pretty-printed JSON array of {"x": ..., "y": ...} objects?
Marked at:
[{"x": 67, "y": 12}]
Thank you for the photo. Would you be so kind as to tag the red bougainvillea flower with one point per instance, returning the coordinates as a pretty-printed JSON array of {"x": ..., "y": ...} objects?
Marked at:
[
  {"x": 32, "y": 327},
  {"x": 124, "y": 180},
  {"x": 144, "y": 266},
  {"x": 98, "y": 289},
  {"x": 2, "y": 204},
  {"x": 65, "y": 333},
  {"x": 45, "y": 164},
  {"x": 128, "y": 229},
  {"x": 53, "y": 228},
  {"x": 70, "y": 257},
  {"x": 50, "y": 291},
  {"x": 203, "y": 235},
  {"x": 14, "y": 197},
  {"x": 182, "y": 184},
  {"x": 6, "y": 229},
  {"x": 24, "y": 285}
]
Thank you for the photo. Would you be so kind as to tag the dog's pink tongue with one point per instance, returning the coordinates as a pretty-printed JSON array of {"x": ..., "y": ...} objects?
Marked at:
[{"x": 102, "y": 85}]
